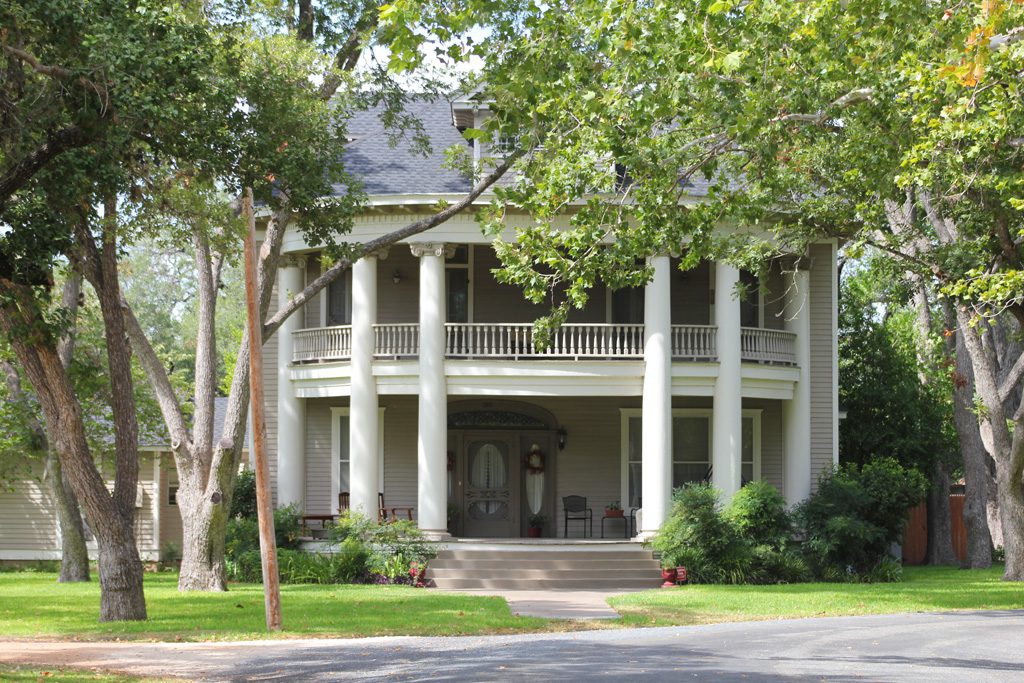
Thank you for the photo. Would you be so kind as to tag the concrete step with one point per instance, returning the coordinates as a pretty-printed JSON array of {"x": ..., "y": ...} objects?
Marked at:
[
  {"x": 585, "y": 573},
  {"x": 573, "y": 555},
  {"x": 517, "y": 564},
  {"x": 626, "y": 566},
  {"x": 503, "y": 583}
]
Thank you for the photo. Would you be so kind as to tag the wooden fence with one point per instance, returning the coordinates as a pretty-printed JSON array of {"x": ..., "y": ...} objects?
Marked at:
[{"x": 915, "y": 538}]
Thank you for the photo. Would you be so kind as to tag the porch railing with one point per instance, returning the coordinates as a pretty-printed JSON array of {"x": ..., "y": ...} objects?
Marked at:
[
  {"x": 768, "y": 346},
  {"x": 397, "y": 340},
  {"x": 322, "y": 343},
  {"x": 515, "y": 340},
  {"x": 694, "y": 342}
]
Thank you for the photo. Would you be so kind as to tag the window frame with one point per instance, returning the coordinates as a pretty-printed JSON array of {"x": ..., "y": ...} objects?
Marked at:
[
  {"x": 626, "y": 413},
  {"x": 338, "y": 412}
]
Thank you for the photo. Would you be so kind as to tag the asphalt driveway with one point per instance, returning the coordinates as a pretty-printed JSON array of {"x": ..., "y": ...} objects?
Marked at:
[{"x": 965, "y": 646}]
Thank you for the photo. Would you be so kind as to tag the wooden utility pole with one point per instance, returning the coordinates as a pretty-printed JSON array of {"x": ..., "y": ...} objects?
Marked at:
[{"x": 264, "y": 510}]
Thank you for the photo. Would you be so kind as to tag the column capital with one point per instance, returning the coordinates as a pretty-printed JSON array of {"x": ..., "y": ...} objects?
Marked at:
[
  {"x": 293, "y": 261},
  {"x": 420, "y": 249},
  {"x": 793, "y": 263}
]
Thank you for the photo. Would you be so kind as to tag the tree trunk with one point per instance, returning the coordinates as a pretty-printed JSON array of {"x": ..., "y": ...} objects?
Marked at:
[
  {"x": 121, "y": 596},
  {"x": 204, "y": 527},
  {"x": 978, "y": 482},
  {"x": 202, "y": 559},
  {"x": 940, "y": 532},
  {"x": 995, "y": 524},
  {"x": 1011, "y": 512},
  {"x": 74, "y": 556}
]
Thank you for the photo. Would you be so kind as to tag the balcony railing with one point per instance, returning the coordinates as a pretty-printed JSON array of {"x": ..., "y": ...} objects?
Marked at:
[
  {"x": 694, "y": 342},
  {"x": 768, "y": 346},
  {"x": 322, "y": 343},
  {"x": 401, "y": 340},
  {"x": 515, "y": 340},
  {"x": 573, "y": 341}
]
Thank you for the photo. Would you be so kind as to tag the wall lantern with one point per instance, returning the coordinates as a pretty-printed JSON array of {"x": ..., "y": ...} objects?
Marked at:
[
  {"x": 396, "y": 277},
  {"x": 562, "y": 436}
]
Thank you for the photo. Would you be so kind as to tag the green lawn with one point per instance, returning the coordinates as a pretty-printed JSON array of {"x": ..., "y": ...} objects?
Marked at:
[
  {"x": 33, "y": 605},
  {"x": 37, "y": 674},
  {"x": 923, "y": 589}
]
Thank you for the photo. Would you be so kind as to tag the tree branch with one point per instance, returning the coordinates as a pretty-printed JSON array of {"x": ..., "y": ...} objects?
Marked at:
[
  {"x": 387, "y": 240},
  {"x": 822, "y": 115},
  {"x": 56, "y": 144},
  {"x": 1012, "y": 380},
  {"x": 159, "y": 381}
]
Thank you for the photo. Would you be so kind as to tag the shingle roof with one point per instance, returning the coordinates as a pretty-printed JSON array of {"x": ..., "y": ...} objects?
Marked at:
[
  {"x": 158, "y": 438},
  {"x": 387, "y": 170},
  {"x": 384, "y": 169}
]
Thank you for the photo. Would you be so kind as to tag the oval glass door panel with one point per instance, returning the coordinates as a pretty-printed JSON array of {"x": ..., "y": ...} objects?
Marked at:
[{"x": 490, "y": 508}]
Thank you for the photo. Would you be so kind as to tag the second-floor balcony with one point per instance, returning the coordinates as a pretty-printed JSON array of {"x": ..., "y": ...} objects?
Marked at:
[{"x": 515, "y": 341}]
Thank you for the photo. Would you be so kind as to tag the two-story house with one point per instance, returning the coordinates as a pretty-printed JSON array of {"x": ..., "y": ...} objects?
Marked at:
[{"x": 415, "y": 376}]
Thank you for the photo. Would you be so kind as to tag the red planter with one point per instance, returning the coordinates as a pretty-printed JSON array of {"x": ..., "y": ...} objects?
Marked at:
[
  {"x": 533, "y": 531},
  {"x": 613, "y": 513},
  {"x": 669, "y": 576}
]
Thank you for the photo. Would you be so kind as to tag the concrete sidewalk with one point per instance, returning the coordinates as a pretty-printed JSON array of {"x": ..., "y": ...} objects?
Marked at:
[{"x": 553, "y": 604}]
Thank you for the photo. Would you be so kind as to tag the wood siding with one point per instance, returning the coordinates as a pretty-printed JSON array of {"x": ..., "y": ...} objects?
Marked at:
[
  {"x": 822, "y": 351},
  {"x": 28, "y": 517}
]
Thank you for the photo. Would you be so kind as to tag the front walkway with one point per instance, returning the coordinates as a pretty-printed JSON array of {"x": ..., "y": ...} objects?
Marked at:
[{"x": 931, "y": 648}]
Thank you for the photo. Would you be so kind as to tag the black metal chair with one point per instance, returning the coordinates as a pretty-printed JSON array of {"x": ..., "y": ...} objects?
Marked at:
[{"x": 575, "y": 508}]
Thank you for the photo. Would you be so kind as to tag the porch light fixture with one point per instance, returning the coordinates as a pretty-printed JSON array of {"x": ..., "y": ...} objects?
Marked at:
[
  {"x": 396, "y": 277},
  {"x": 562, "y": 435}
]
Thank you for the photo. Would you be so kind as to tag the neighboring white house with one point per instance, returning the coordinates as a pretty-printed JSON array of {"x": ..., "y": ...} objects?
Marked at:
[
  {"x": 28, "y": 514},
  {"x": 415, "y": 375}
]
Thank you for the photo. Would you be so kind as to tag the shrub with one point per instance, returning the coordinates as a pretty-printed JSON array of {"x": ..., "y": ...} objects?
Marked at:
[
  {"x": 855, "y": 516},
  {"x": 243, "y": 500},
  {"x": 362, "y": 551},
  {"x": 696, "y": 535},
  {"x": 758, "y": 513}
]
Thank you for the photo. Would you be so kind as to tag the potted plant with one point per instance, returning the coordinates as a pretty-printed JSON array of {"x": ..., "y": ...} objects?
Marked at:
[
  {"x": 668, "y": 574},
  {"x": 613, "y": 509},
  {"x": 535, "y": 525}
]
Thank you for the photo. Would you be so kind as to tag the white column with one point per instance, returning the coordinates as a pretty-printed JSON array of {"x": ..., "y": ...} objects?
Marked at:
[
  {"x": 432, "y": 440},
  {"x": 364, "y": 449},
  {"x": 797, "y": 412},
  {"x": 727, "y": 418},
  {"x": 291, "y": 411},
  {"x": 656, "y": 486}
]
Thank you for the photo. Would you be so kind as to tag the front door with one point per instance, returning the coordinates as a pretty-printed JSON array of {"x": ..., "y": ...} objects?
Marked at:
[{"x": 491, "y": 493}]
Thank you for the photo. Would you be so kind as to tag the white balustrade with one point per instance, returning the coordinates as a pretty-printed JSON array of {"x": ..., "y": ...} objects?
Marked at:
[
  {"x": 694, "y": 342},
  {"x": 322, "y": 343},
  {"x": 768, "y": 346},
  {"x": 515, "y": 340},
  {"x": 396, "y": 340}
]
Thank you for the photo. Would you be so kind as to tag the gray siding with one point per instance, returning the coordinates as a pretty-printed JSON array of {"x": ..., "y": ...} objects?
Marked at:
[
  {"x": 691, "y": 294},
  {"x": 822, "y": 350},
  {"x": 311, "y": 311},
  {"x": 398, "y": 303},
  {"x": 773, "y": 442}
]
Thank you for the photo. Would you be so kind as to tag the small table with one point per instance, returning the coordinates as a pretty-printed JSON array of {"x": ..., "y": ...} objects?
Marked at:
[{"x": 625, "y": 524}]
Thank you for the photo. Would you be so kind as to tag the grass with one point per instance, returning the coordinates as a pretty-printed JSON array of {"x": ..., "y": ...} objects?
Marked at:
[
  {"x": 35, "y": 674},
  {"x": 33, "y": 605},
  {"x": 923, "y": 589}
]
